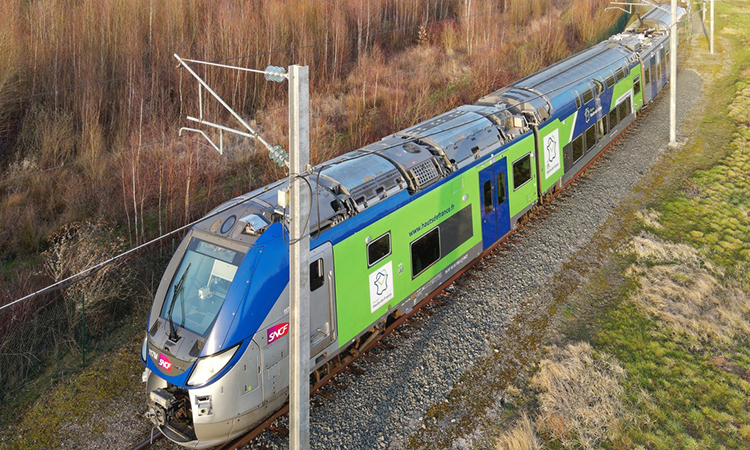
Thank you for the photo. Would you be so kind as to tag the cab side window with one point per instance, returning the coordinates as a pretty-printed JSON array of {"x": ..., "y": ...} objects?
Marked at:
[{"x": 317, "y": 279}]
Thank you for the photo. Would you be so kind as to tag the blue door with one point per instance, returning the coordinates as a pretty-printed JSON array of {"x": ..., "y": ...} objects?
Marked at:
[{"x": 493, "y": 190}]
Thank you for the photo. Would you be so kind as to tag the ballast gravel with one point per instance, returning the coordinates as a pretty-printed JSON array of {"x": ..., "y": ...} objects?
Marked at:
[{"x": 385, "y": 405}]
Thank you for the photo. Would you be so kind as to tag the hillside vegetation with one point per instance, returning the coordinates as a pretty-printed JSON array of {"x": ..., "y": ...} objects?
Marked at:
[{"x": 90, "y": 104}]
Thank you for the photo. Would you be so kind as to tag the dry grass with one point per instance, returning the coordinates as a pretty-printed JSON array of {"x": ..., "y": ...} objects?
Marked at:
[
  {"x": 521, "y": 437},
  {"x": 92, "y": 85},
  {"x": 581, "y": 396},
  {"x": 650, "y": 218},
  {"x": 687, "y": 293}
]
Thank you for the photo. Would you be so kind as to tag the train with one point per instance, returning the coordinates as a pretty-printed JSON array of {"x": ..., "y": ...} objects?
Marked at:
[{"x": 392, "y": 222}]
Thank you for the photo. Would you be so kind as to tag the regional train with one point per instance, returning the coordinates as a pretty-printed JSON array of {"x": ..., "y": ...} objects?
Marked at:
[{"x": 392, "y": 222}]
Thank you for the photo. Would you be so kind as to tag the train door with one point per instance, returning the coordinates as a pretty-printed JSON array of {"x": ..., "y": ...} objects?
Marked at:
[
  {"x": 321, "y": 298},
  {"x": 493, "y": 187},
  {"x": 646, "y": 77},
  {"x": 654, "y": 77},
  {"x": 663, "y": 65}
]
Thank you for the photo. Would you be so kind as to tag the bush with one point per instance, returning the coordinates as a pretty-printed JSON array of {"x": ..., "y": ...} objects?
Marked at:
[{"x": 104, "y": 293}]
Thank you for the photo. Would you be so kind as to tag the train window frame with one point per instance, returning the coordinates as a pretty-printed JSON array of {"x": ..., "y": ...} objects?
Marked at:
[
  {"x": 588, "y": 93},
  {"x": 500, "y": 181},
  {"x": 605, "y": 124},
  {"x": 622, "y": 110},
  {"x": 648, "y": 75},
  {"x": 317, "y": 281},
  {"x": 411, "y": 252},
  {"x": 582, "y": 146},
  {"x": 636, "y": 85},
  {"x": 610, "y": 81},
  {"x": 390, "y": 248},
  {"x": 513, "y": 166},
  {"x": 577, "y": 98},
  {"x": 487, "y": 197},
  {"x": 588, "y": 145},
  {"x": 613, "y": 113}
]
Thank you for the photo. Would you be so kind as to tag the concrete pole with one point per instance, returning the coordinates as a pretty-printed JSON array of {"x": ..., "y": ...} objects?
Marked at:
[
  {"x": 299, "y": 257},
  {"x": 673, "y": 76},
  {"x": 712, "y": 27}
]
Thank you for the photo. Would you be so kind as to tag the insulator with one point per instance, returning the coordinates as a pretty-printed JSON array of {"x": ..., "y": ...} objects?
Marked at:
[{"x": 275, "y": 73}]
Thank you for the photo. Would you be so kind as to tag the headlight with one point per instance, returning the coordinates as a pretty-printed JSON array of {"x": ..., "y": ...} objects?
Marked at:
[
  {"x": 207, "y": 368},
  {"x": 144, "y": 349}
]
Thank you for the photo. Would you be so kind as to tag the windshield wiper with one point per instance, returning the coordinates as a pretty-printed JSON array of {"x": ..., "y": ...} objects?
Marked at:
[{"x": 173, "y": 336}]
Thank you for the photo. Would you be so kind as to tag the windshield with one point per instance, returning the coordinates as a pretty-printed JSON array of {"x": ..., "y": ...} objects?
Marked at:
[{"x": 210, "y": 270}]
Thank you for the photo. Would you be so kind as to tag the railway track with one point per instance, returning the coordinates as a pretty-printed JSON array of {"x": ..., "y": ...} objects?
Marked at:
[{"x": 327, "y": 373}]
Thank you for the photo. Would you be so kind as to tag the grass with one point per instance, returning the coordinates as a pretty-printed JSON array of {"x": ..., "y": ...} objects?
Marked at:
[
  {"x": 580, "y": 400},
  {"x": 78, "y": 401},
  {"x": 671, "y": 306}
]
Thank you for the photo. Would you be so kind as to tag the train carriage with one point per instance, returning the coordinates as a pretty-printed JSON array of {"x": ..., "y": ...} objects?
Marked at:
[{"x": 391, "y": 222}]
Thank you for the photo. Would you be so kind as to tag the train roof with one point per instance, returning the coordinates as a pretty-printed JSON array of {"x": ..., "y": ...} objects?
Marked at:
[
  {"x": 419, "y": 156},
  {"x": 539, "y": 94},
  {"x": 658, "y": 18}
]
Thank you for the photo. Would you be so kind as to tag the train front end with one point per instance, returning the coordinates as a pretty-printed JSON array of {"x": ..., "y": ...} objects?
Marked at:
[{"x": 201, "y": 350}]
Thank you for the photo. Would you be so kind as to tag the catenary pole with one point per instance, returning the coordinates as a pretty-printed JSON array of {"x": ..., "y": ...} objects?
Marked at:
[
  {"x": 712, "y": 27},
  {"x": 673, "y": 76},
  {"x": 299, "y": 281}
]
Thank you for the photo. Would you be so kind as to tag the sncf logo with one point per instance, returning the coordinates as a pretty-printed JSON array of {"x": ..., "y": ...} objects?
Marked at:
[
  {"x": 164, "y": 362},
  {"x": 277, "y": 331},
  {"x": 161, "y": 360}
]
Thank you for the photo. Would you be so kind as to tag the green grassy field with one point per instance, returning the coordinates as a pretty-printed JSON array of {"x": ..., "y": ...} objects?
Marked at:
[{"x": 667, "y": 317}]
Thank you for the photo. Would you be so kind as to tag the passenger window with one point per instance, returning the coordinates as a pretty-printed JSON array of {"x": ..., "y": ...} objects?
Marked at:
[
  {"x": 316, "y": 275},
  {"x": 577, "y": 99},
  {"x": 456, "y": 230},
  {"x": 425, "y": 251},
  {"x": 378, "y": 249},
  {"x": 637, "y": 85},
  {"x": 591, "y": 137},
  {"x": 501, "y": 188},
  {"x": 487, "y": 190},
  {"x": 648, "y": 75},
  {"x": 521, "y": 171},
  {"x": 628, "y": 109},
  {"x": 610, "y": 81},
  {"x": 622, "y": 109},
  {"x": 605, "y": 125},
  {"x": 587, "y": 96},
  {"x": 613, "y": 118},
  {"x": 578, "y": 148}
]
